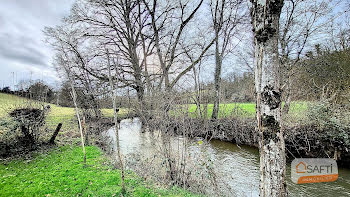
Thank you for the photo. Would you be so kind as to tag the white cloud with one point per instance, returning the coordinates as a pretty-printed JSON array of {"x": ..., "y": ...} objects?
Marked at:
[{"x": 23, "y": 50}]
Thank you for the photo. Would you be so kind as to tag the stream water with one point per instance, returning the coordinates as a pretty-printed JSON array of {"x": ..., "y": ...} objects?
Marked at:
[{"x": 217, "y": 168}]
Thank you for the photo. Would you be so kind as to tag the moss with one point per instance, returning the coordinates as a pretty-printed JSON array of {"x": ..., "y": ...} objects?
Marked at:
[{"x": 266, "y": 16}]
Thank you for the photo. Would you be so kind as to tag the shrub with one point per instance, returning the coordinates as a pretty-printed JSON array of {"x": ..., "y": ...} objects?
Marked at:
[
  {"x": 28, "y": 121},
  {"x": 331, "y": 119}
]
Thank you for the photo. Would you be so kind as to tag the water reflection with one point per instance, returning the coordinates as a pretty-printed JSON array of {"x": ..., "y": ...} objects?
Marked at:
[{"x": 236, "y": 168}]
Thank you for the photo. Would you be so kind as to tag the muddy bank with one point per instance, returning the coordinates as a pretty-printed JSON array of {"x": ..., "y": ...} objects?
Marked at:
[{"x": 301, "y": 141}]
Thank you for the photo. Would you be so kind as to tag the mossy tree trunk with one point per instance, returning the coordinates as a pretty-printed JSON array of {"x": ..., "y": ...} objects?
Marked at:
[{"x": 265, "y": 18}]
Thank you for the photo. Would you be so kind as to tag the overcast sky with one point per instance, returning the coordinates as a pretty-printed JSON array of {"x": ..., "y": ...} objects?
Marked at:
[
  {"x": 22, "y": 47},
  {"x": 23, "y": 52}
]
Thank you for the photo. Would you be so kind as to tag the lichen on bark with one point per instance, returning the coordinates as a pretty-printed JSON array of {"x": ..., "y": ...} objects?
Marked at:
[
  {"x": 271, "y": 97},
  {"x": 265, "y": 12},
  {"x": 265, "y": 19}
]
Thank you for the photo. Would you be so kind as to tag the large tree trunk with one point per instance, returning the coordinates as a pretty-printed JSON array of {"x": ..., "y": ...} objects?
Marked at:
[
  {"x": 286, "y": 106},
  {"x": 265, "y": 17},
  {"x": 140, "y": 91},
  {"x": 139, "y": 86},
  {"x": 166, "y": 80}
]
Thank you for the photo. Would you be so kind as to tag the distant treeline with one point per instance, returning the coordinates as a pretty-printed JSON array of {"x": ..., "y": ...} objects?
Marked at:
[
  {"x": 322, "y": 74},
  {"x": 36, "y": 90}
]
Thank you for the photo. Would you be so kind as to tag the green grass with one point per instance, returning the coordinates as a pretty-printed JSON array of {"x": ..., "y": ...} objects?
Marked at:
[
  {"x": 57, "y": 114},
  {"x": 61, "y": 173},
  {"x": 226, "y": 110},
  {"x": 245, "y": 110},
  {"x": 66, "y": 114}
]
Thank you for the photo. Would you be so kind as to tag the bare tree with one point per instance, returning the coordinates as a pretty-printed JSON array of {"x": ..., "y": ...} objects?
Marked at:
[
  {"x": 226, "y": 16},
  {"x": 265, "y": 18},
  {"x": 115, "y": 114},
  {"x": 169, "y": 20},
  {"x": 63, "y": 63},
  {"x": 120, "y": 25},
  {"x": 302, "y": 24},
  {"x": 67, "y": 41}
]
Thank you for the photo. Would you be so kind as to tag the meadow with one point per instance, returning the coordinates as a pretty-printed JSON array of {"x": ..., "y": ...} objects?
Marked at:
[
  {"x": 60, "y": 172},
  {"x": 246, "y": 110},
  {"x": 56, "y": 115},
  {"x": 66, "y": 115}
]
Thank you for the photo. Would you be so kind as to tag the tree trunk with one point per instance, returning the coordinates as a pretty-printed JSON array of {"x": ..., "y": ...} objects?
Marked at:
[
  {"x": 217, "y": 79},
  {"x": 140, "y": 92},
  {"x": 116, "y": 124},
  {"x": 287, "y": 95},
  {"x": 96, "y": 107},
  {"x": 286, "y": 106},
  {"x": 198, "y": 93},
  {"x": 265, "y": 17},
  {"x": 74, "y": 97},
  {"x": 166, "y": 80},
  {"x": 85, "y": 131}
]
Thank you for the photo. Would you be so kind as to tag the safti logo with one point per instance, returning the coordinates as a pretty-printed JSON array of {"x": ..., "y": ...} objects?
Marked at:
[
  {"x": 301, "y": 167},
  {"x": 313, "y": 170}
]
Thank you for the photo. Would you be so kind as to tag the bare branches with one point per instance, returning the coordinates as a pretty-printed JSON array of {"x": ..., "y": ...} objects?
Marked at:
[{"x": 169, "y": 42}]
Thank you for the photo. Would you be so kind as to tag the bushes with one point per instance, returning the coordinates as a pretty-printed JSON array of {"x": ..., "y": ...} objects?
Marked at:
[
  {"x": 23, "y": 125},
  {"x": 332, "y": 119}
]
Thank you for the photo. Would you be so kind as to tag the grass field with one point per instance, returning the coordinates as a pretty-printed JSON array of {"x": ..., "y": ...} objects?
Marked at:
[
  {"x": 61, "y": 173},
  {"x": 66, "y": 115},
  {"x": 246, "y": 110},
  {"x": 57, "y": 114}
]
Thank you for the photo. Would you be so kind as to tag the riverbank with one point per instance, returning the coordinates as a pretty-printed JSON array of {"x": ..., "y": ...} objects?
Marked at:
[
  {"x": 303, "y": 140},
  {"x": 209, "y": 167},
  {"x": 60, "y": 172}
]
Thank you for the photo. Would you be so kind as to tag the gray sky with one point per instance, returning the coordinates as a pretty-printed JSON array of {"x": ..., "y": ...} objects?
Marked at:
[
  {"x": 22, "y": 47},
  {"x": 23, "y": 52}
]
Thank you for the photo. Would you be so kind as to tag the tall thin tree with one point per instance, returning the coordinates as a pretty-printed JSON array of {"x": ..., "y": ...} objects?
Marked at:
[
  {"x": 226, "y": 17},
  {"x": 74, "y": 97},
  {"x": 115, "y": 114}
]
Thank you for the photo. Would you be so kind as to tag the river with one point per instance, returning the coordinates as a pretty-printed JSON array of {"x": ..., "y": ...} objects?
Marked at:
[{"x": 214, "y": 168}]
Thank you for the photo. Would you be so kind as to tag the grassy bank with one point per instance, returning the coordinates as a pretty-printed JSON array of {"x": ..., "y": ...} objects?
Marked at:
[
  {"x": 57, "y": 114},
  {"x": 60, "y": 172}
]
